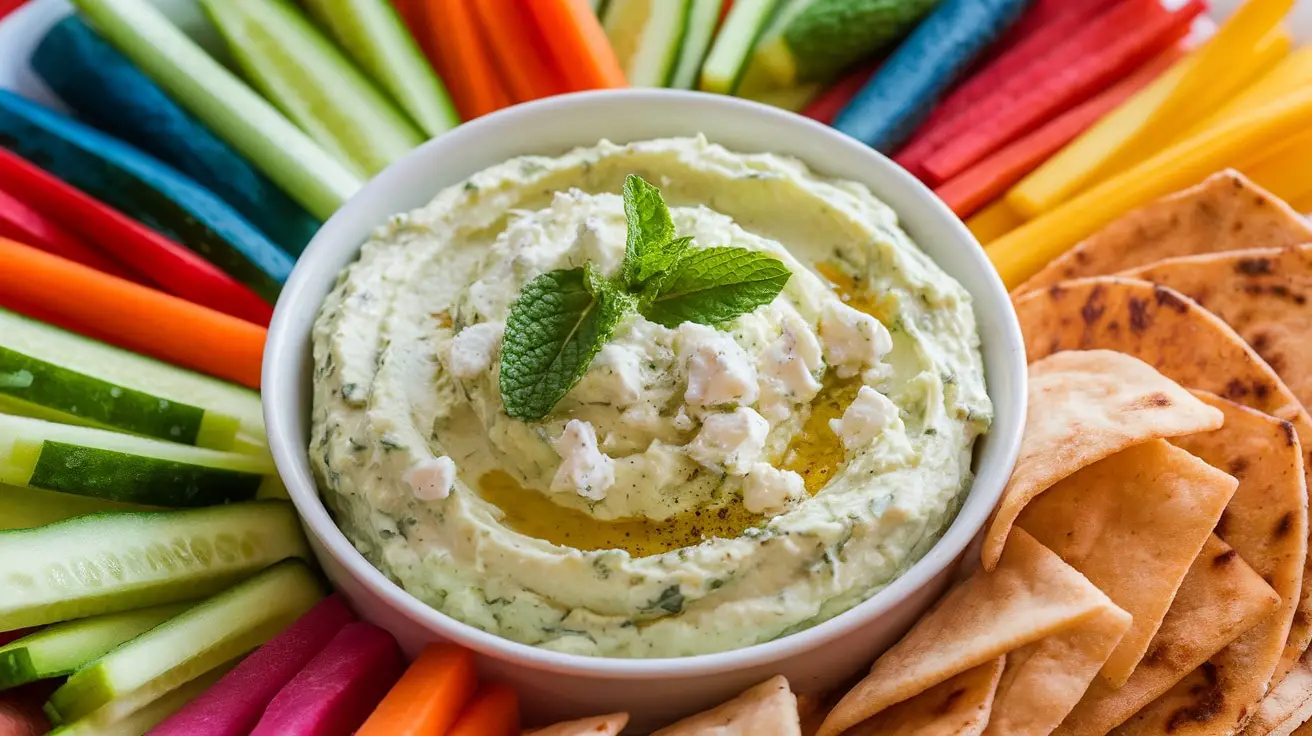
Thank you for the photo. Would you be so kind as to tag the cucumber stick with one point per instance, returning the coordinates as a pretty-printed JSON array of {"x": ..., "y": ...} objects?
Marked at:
[
  {"x": 371, "y": 31},
  {"x": 64, "y": 648},
  {"x": 727, "y": 60},
  {"x": 106, "y": 563},
  {"x": 118, "y": 467},
  {"x": 53, "y": 374},
  {"x": 294, "y": 65},
  {"x": 24, "y": 508},
  {"x": 703, "y": 18},
  {"x": 144, "y": 719},
  {"x": 215, "y": 631},
  {"x": 647, "y": 36},
  {"x": 223, "y": 102}
]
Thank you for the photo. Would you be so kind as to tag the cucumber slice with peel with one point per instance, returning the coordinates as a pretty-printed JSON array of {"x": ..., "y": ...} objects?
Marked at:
[
  {"x": 119, "y": 467},
  {"x": 223, "y": 102},
  {"x": 371, "y": 31},
  {"x": 305, "y": 75},
  {"x": 24, "y": 508},
  {"x": 141, "y": 721},
  {"x": 64, "y": 648},
  {"x": 727, "y": 61},
  {"x": 215, "y": 631},
  {"x": 49, "y": 373},
  {"x": 703, "y": 19},
  {"x": 105, "y": 563},
  {"x": 647, "y": 36}
]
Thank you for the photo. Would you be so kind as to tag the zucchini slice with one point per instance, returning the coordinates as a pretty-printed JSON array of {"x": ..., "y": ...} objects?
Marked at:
[
  {"x": 105, "y": 563},
  {"x": 213, "y": 632},
  {"x": 703, "y": 19},
  {"x": 647, "y": 36},
  {"x": 727, "y": 61}
]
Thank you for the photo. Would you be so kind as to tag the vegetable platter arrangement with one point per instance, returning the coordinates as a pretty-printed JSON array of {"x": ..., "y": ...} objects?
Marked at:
[{"x": 164, "y": 162}]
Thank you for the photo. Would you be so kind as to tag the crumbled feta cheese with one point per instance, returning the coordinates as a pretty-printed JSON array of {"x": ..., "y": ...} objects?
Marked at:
[
  {"x": 719, "y": 371},
  {"x": 615, "y": 377},
  {"x": 683, "y": 421},
  {"x": 473, "y": 349},
  {"x": 854, "y": 341},
  {"x": 767, "y": 489},
  {"x": 732, "y": 441},
  {"x": 584, "y": 469},
  {"x": 431, "y": 479},
  {"x": 865, "y": 418},
  {"x": 788, "y": 368}
]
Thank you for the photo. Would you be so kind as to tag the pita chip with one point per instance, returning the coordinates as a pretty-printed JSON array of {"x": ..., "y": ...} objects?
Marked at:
[
  {"x": 1031, "y": 595},
  {"x": 958, "y": 706},
  {"x": 1095, "y": 404},
  {"x": 1220, "y": 598},
  {"x": 1265, "y": 295},
  {"x": 1133, "y": 525},
  {"x": 1287, "y": 707},
  {"x": 610, "y": 725},
  {"x": 769, "y": 709},
  {"x": 1226, "y": 212}
]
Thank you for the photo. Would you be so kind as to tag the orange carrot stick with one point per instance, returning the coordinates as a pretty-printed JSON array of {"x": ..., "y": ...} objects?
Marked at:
[
  {"x": 975, "y": 187},
  {"x": 519, "y": 49},
  {"x": 578, "y": 44},
  {"x": 133, "y": 316},
  {"x": 493, "y": 712},
  {"x": 429, "y": 696},
  {"x": 464, "y": 62}
]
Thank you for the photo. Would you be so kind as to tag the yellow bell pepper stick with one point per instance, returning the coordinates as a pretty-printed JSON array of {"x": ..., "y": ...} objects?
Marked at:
[
  {"x": 1285, "y": 171},
  {"x": 1161, "y": 112},
  {"x": 1292, "y": 73},
  {"x": 1022, "y": 252},
  {"x": 994, "y": 221}
]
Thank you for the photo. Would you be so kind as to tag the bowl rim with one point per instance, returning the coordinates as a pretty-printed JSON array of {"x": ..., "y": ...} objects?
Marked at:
[{"x": 283, "y": 378}]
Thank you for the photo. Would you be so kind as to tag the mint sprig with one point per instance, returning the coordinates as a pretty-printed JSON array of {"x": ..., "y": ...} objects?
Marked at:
[{"x": 561, "y": 319}]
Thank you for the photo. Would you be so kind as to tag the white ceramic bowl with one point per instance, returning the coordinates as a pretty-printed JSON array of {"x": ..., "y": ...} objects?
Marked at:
[{"x": 551, "y": 684}]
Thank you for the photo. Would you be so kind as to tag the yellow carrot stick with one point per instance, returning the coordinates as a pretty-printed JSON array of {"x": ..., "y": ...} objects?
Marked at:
[
  {"x": 1162, "y": 112},
  {"x": 1022, "y": 252},
  {"x": 1291, "y": 73},
  {"x": 994, "y": 221},
  {"x": 1286, "y": 170}
]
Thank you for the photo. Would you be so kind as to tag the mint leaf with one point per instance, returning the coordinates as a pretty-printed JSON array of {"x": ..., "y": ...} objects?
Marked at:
[
  {"x": 711, "y": 286},
  {"x": 646, "y": 251},
  {"x": 557, "y": 325}
]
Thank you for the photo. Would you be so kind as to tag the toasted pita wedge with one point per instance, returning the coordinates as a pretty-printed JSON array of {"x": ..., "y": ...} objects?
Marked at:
[
  {"x": 1287, "y": 708},
  {"x": 957, "y": 707},
  {"x": 610, "y": 725},
  {"x": 1265, "y": 295},
  {"x": 1045, "y": 680},
  {"x": 1030, "y": 596},
  {"x": 1133, "y": 524},
  {"x": 1226, "y": 212},
  {"x": 1094, "y": 404},
  {"x": 1220, "y": 598},
  {"x": 769, "y": 709}
]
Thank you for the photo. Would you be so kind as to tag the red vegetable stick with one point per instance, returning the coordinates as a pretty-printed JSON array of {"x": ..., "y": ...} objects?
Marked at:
[
  {"x": 135, "y": 317},
  {"x": 338, "y": 689},
  {"x": 832, "y": 101},
  {"x": 1040, "y": 14},
  {"x": 1062, "y": 25},
  {"x": 412, "y": 14},
  {"x": 20, "y": 708},
  {"x": 8, "y": 636},
  {"x": 429, "y": 696},
  {"x": 1115, "y": 44},
  {"x": 7, "y": 7},
  {"x": 519, "y": 49},
  {"x": 463, "y": 59},
  {"x": 975, "y": 187},
  {"x": 235, "y": 703},
  {"x": 24, "y": 224},
  {"x": 173, "y": 267},
  {"x": 578, "y": 44},
  {"x": 724, "y": 13},
  {"x": 41, "y": 314},
  {"x": 494, "y": 711}
]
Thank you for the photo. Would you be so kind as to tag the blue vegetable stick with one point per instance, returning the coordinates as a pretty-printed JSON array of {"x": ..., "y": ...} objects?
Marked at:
[
  {"x": 145, "y": 189},
  {"x": 911, "y": 82},
  {"x": 109, "y": 92}
]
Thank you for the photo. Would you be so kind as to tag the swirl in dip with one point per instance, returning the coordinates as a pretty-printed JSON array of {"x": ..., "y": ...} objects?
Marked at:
[{"x": 700, "y": 489}]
